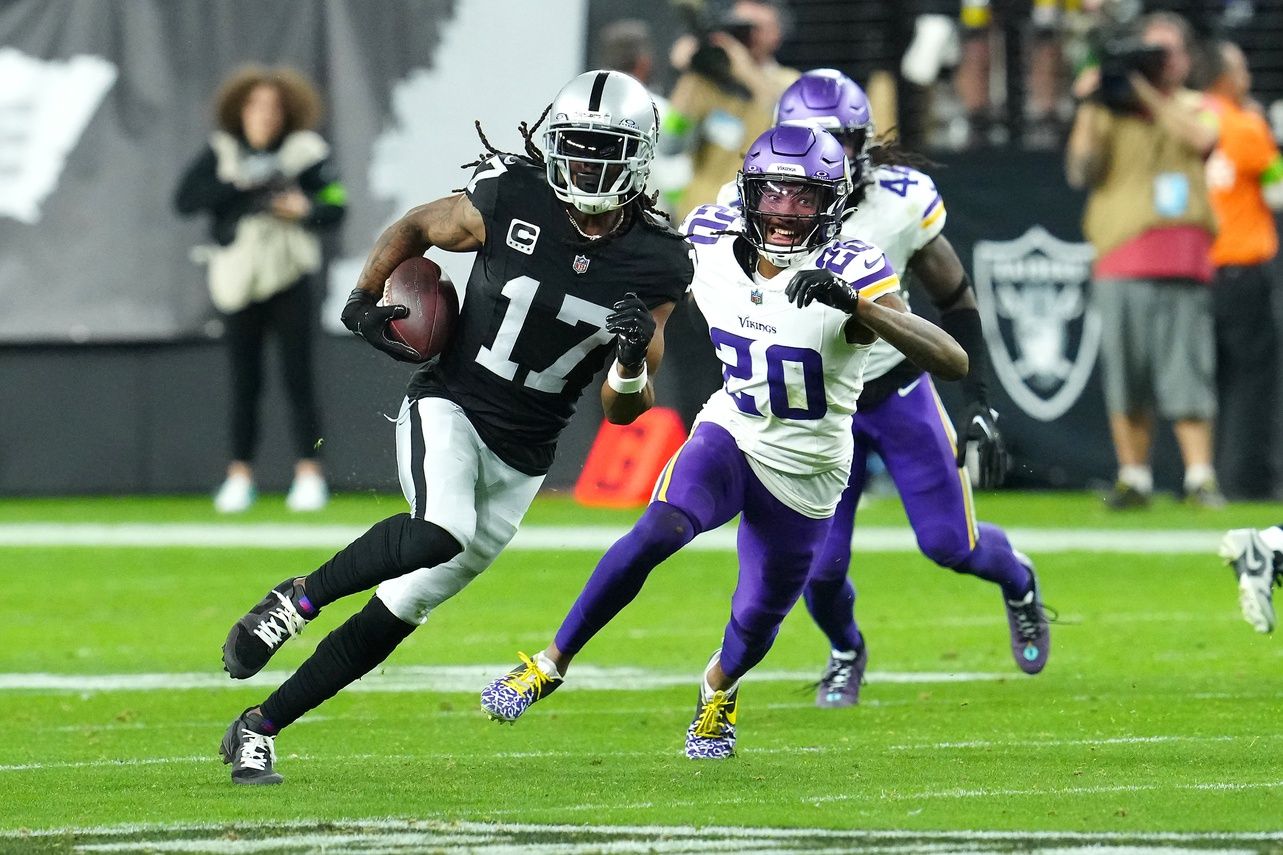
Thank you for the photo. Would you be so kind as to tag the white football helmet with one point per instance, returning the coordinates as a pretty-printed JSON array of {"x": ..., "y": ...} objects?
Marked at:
[{"x": 601, "y": 136}]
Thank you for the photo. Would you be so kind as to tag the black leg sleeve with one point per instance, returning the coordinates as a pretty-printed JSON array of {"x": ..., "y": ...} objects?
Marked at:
[
  {"x": 391, "y": 548},
  {"x": 344, "y": 656}
]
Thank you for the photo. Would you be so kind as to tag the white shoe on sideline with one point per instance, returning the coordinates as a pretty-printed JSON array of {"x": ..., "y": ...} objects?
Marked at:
[
  {"x": 308, "y": 493},
  {"x": 235, "y": 496}
]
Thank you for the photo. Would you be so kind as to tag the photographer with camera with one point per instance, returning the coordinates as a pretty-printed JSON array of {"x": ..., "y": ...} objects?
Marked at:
[
  {"x": 1139, "y": 143},
  {"x": 723, "y": 100}
]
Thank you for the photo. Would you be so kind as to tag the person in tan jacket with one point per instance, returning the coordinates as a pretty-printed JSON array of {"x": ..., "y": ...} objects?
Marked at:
[
  {"x": 719, "y": 106},
  {"x": 1150, "y": 220}
]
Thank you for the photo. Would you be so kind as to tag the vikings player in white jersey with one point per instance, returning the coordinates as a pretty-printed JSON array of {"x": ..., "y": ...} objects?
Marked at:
[
  {"x": 900, "y": 417},
  {"x": 793, "y": 314}
]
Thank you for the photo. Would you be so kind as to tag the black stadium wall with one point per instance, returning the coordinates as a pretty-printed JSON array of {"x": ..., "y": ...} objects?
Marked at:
[{"x": 112, "y": 378}]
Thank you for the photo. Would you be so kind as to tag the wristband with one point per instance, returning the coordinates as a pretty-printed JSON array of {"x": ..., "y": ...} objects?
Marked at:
[{"x": 625, "y": 385}]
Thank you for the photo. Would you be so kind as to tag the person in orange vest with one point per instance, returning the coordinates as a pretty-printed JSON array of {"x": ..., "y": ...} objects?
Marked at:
[{"x": 1245, "y": 179}]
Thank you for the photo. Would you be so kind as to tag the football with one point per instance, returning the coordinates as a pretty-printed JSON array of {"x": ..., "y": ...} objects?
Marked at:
[{"x": 420, "y": 285}]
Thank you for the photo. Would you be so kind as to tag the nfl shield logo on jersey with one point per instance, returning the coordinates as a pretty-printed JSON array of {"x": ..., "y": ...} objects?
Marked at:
[
  {"x": 756, "y": 296},
  {"x": 581, "y": 264},
  {"x": 1042, "y": 333}
]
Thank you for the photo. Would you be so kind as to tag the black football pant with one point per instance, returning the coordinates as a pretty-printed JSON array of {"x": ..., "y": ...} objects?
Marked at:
[
  {"x": 287, "y": 316},
  {"x": 1246, "y": 350}
]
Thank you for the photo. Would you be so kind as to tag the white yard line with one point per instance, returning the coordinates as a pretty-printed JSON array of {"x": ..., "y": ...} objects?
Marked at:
[
  {"x": 801, "y": 750},
  {"x": 399, "y": 835},
  {"x": 559, "y": 538},
  {"x": 1001, "y": 792},
  {"x": 1056, "y": 743},
  {"x": 444, "y": 678}
]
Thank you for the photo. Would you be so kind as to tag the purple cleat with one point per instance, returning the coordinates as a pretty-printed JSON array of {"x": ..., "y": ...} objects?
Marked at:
[
  {"x": 711, "y": 735},
  {"x": 1027, "y": 620},
  {"x": 506, "y": 698},
  {"x": 840, "y": 684}
]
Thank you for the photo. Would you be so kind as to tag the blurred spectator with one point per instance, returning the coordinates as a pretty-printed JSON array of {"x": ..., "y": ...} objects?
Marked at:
[
  {"x": 723, "y": 100},
  {"x": 1037, "y": 36},
  {"x": 1028, "y": 34},
  {"x": 626, "y": 45},
  {"x": 1244, "y": 174},
  {"x": 1139, "y": 145},
  {"x": 265, "y": 179}
]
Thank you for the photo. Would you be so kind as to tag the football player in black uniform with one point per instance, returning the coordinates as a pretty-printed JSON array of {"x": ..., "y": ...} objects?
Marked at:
[{"x": 572, "y": 268}]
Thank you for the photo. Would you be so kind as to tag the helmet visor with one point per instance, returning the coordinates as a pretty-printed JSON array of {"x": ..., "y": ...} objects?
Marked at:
[
  {"x": 784, "y": 213},
  {"x": 596, "y": 162}
]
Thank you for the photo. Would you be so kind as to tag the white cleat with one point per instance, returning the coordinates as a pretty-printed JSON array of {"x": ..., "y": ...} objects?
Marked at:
[{"x": 1256, "y": 566}]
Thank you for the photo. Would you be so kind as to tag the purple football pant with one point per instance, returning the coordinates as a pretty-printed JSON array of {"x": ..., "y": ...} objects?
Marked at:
[
  {"x": 912, "y": 434},
  {"x": 705, "y": 485}
]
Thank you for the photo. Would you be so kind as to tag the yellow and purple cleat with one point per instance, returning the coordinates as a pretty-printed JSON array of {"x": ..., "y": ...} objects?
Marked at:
[{"x": 506, "y": 698}]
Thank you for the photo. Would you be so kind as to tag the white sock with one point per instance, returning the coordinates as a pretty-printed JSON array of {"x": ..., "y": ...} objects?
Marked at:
[
  {"x": 708, "y": 689},
  {"x": 1273, "y": 537},
  {"x": 1198, "y": 475},
  {"x": 546, "y": 666},
  {"x": 843, "y": 655},
  {"x": 1140, "y": 478}
]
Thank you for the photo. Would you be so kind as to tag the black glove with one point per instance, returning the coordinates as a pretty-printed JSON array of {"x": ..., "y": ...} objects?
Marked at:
[
  {"x": 824, "y": 287},
  {"x": 981, "y": 427},
  {"x": 368, "y": 320},
  {"x": 633, "y": 326}
]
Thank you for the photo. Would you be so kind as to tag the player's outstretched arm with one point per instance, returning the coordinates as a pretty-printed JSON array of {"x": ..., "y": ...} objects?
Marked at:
[
  {"x": 629, "y": 389},
  {"x": 925, "y": 344},
  {"x": 452, "y": 223}
]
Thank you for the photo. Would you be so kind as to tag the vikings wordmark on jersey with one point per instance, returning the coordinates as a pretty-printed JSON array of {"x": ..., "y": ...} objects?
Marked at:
[
  {"x": 899, "y": 211},
  {"x": 791, "y": 378}
]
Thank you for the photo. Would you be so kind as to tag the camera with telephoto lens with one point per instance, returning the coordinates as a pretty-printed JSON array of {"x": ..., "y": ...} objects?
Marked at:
[
  {"x": 711, "y": 61},
  {"x": 1119, "y": 58}
]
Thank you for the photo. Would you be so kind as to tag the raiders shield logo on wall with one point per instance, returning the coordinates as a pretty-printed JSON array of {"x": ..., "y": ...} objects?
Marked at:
[
  {"x": 581, "y": 264},
  {"x": 1043, "y": 334}
]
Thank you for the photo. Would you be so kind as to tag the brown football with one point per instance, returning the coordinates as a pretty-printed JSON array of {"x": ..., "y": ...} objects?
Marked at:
[{"x": 420, "y": 285}]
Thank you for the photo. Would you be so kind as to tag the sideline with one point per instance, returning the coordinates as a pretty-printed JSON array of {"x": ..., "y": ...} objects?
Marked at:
[{"x": 557, "y": 538}]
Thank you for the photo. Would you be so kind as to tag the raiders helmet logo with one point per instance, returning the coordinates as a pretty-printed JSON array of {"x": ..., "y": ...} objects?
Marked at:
[{"x": 1042, "y": 332}]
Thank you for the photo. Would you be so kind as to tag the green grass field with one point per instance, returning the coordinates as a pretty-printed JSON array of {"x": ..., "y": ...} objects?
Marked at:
[{"x": 1155, "y": 726}]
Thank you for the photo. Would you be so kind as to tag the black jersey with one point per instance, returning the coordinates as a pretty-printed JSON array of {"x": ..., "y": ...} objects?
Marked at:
[{"x": 531, "y": 332}]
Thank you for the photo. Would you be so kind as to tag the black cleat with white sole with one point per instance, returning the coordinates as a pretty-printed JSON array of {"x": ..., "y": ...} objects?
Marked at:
[
  {"x": 250, "y": 752},
  {"x": 277, "y": 618}
]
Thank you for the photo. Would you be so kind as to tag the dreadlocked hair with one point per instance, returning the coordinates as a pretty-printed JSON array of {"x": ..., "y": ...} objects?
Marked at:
[
  {"x": 646, "y": 203},
  {"x": 887, "y": 151}
]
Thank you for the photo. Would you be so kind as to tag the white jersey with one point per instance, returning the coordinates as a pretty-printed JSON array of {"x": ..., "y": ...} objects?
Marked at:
[
  {"x": 791, "y": 379},
  {"x": 900, "y": 212}
]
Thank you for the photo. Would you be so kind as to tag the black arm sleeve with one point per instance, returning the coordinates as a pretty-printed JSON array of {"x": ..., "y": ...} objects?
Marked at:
[
  {"x": 964, "y": 325},
  {"x": 322, "y": 188},
  {"x": 200, "y": 190}
]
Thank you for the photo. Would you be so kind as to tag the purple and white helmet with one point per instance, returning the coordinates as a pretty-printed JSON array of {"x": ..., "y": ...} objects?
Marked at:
[
  {"x": 794, "y": 187},
  {"x": 828, "y": 98}
]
